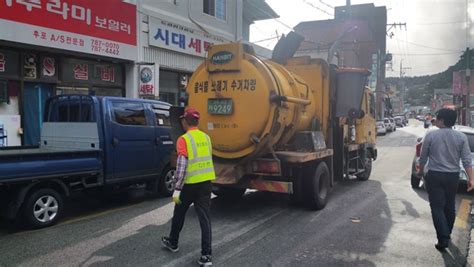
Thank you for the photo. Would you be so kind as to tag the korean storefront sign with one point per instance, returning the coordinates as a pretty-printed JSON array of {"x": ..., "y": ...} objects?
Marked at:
[
  {"x": 48, "y": 68},
  {"x": 147, "y": 84},
  {"x": 179, "y": 38},
  {"x": 88, "y": 72},
  {"x": 9, "y": 64},
  {"x": 106, "y": 27},
  {"x": 374, "y": 72}
]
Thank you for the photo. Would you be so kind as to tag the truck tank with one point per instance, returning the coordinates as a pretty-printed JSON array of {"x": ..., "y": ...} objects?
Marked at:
[{"x": 249, "y": 104}]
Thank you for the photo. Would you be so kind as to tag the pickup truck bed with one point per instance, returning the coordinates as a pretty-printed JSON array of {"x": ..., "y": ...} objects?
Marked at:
[{"x": 27, "y": 164}]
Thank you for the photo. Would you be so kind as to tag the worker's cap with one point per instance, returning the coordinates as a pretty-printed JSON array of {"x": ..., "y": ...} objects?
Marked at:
[{"x": 190, "y": 113}]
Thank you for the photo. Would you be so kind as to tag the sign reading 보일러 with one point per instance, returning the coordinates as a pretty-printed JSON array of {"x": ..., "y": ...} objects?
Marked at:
[
  {"x": 147, "y": 80},
  {"x": 105, "y": 27}
]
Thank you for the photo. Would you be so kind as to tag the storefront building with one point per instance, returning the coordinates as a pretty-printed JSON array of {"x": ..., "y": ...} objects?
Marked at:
[
  {"x": 50, "y": 48},
  {"x": 174, "y": 37}
]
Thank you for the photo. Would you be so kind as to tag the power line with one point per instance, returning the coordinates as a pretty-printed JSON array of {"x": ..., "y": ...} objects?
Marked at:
[
  {"x": 440, "y": 23},
  {"x": 326, "y": 4},
  {"x": 316, "y": 7},
  {"x": 425, "y": 46},
  {"x": 290, "y": 28},
  {"x": 266, "y": 39},
  {"x": 427, "y": 54}
]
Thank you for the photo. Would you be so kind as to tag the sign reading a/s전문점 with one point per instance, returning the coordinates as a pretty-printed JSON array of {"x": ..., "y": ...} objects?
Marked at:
[
  {"x": 244, "y": 85},
  {"x": 220, "y": 106}
]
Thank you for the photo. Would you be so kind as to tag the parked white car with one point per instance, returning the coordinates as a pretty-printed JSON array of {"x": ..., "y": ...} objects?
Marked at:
[
  {"x": 381, "y": 129},
  {"x": 390, "y": 125}
]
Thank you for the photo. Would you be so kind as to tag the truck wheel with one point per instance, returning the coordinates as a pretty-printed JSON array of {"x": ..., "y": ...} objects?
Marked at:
[
  {"x": 42, "y": 208},
  {"x": 229, "y": 193},
  {"x": 166, "y": 185},
  {"x": 368, "y": 170},
  {"x": 297, "y": 198},
  {"x": 415, "y": 182},
  {"x": 316, "y": 186}
]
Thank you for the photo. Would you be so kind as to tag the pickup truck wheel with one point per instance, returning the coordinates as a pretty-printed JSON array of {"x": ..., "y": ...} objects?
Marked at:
[
  {"x": 166, "y": 185},
  {"x": 42, "y": 208},
  {"x": 368, "y": 170},
  {"x": 316, "y": 186}
]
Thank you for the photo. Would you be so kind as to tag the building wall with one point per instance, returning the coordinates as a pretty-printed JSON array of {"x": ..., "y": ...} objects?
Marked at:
[
  {"x": 172, "y": 64},
  {"x": 190, "y": 13},
  {"x": 362, "y": 47}
]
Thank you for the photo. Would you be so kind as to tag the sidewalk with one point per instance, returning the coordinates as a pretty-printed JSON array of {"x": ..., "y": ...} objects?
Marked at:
[{"x": 470, "y": 248}]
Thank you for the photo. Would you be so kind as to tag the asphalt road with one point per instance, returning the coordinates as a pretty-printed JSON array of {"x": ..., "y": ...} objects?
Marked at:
[{"x": 380, "y": 222}]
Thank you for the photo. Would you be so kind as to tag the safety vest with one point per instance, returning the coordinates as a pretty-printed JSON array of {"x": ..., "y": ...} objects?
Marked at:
[{"x": 200, "y": 167}]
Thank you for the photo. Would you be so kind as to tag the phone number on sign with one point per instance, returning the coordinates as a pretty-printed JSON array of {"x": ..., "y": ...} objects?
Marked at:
[{"x": 105, "y": 47}]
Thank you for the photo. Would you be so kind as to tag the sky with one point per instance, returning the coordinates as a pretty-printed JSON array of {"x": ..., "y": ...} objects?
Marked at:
[{"x": 434, "y": 38}]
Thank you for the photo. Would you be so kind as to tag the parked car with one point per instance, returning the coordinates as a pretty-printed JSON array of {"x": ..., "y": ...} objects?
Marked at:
[
  {"x": 404, "y": 118},
  {"x": 381, "y": 129},
  {"x": 389, "y": 124},
  {"x": 399, "y": 121},
  {"x": 416, "y": 180},
  {"x": 87, "y": 143}
]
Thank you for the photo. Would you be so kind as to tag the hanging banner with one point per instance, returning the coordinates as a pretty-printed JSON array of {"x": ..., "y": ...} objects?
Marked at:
[{"x": 147, "y": 81}]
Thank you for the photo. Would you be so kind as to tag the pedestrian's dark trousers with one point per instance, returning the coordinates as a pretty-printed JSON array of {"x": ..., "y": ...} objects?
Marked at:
[
  {"x": 200, "y": 195},
  {"x": 442, "y": 188}
]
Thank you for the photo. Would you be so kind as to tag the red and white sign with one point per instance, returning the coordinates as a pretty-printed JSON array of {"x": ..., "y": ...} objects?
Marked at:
[
  {"x": 49, "y": 67},
  {"x": 107, "y": 73},
  {"x": 147, "y": 80},
  {"x": 81, "y": 72},
  {"x": 105, "y": 27}
]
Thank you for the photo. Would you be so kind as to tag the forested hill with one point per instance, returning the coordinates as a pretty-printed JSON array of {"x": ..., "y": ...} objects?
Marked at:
[{"x": 420, "y": 88}]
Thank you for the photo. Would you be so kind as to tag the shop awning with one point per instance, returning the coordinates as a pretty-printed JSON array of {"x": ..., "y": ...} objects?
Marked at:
[{"x": 258, "y": 10}]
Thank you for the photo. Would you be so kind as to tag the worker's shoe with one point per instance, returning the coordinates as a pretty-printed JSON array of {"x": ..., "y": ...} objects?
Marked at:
[
  {"x": 166, "y": 242},
  {"x": 205, "y": 260},
  {"x": 442, "y": 245}
]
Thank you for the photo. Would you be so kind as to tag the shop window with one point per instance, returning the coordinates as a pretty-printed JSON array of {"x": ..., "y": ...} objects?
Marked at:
[
  {"x": 215, "y": 8},
  {"x": 72, "y": 90},
  {"x": 70, "y": 109},
  {"x": 169, "y": 98},
  {"x": 108, "y": 92},
  {"x": 129, "y": 113},
  {"x": 3, "y": 92}
]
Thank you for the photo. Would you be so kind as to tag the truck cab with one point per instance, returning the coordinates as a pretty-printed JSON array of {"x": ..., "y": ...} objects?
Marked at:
[{"x": 88, "y": 142}]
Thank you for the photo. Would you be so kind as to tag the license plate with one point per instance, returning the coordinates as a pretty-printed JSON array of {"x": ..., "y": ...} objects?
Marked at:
[{"x": 220, "y": 106}]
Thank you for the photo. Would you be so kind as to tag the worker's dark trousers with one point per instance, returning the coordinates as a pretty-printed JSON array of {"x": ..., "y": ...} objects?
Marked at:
[
  {"x": 200, "y": 195},
  {"x": 442, "y": 188}
]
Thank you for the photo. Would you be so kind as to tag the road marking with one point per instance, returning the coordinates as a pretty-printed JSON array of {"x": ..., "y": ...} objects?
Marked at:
[
  {"x": 99, "y": 214},
  {"x": 463, "y": 214},
  {"x": 87, "y": 217}
]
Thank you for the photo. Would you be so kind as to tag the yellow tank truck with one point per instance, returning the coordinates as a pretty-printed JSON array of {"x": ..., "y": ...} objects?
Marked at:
[{"x": 293, "y": 127}]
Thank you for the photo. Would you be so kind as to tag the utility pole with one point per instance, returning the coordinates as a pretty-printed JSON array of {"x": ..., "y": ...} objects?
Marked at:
[
  {"x": 395, "y": 25},
  {"x": 402, "y": 84},
  {"x": 468, "y": 91},
  {"x": 468, "y": 67}
]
